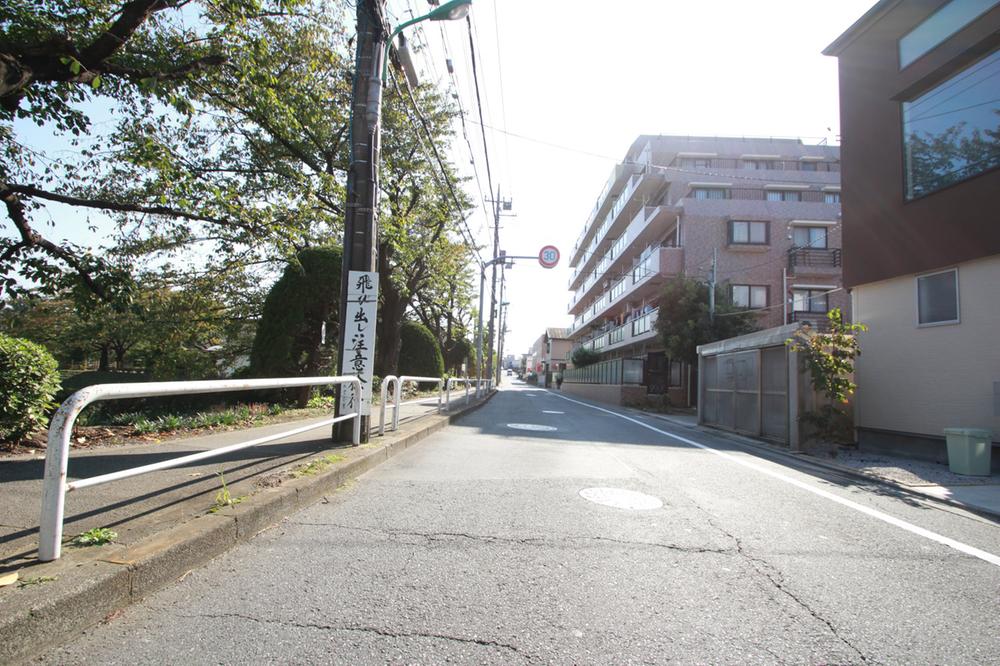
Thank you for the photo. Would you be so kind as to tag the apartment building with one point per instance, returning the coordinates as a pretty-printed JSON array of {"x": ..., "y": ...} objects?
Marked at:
[
  {"x": 920, "y": 116},
  {"x": 765, "y": 212}
]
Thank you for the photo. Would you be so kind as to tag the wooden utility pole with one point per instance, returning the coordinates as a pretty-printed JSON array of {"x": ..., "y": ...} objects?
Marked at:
[{"x": 360, "y": 247}]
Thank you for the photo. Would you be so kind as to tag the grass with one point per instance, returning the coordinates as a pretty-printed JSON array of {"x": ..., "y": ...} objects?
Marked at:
[
  {"x": 317, "y": 466},
  {"x": 224, "y": 498},
  {"x": 95, "y": 537},
  {"x": 36, "y": 580}
]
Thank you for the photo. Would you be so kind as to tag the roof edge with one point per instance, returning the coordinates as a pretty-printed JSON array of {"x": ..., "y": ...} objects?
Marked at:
[{"x": 880, "y": 9}]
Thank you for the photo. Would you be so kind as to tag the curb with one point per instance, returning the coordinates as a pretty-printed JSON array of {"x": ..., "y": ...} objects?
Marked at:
[
  {"x": 806, "y": 459},
  {"x": 93, "y": 584}
]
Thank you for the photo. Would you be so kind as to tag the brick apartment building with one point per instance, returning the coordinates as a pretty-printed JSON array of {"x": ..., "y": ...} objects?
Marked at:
[
  {"x": 766, "y": 211},
  {"x": 920, "y": 116}
]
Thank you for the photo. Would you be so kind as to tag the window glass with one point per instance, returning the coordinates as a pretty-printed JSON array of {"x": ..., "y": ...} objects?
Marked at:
[
  {"x": 741, "y": 295},
  {"x": 758, "y": 297},
  {"x": 939, "y": 26},
  {"x": 831, "y": 197},
  {"x": 807, "y": 166},
  {"x": 937, "y": 298},
  {"x": 741, "y": 232},
  {"x": 809, "y": 300},
  {"x": 811, "y": 237},
  {"x": 952, "y": 132},
  {"x": 758, "y": 232},
  {"x": 710, "y": 193}
]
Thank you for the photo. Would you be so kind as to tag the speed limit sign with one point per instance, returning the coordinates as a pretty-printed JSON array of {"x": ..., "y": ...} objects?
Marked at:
[{"x": 548, "y": 256}]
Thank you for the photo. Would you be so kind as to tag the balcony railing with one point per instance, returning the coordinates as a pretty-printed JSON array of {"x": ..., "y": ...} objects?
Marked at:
[
  {"x": 755, "y": 164},
  {"x": 804, "y": 257},
  {"x": 818, "y": 320},
  {"x": 759, "y": 194}
]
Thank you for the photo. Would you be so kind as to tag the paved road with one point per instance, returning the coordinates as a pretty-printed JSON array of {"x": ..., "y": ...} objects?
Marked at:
[{"x": 478, "y": 547}]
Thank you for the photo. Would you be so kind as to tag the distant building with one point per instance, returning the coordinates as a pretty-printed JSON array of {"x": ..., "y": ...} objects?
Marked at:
[
  {"x": 766, "y": 210},
  {"x": 550, "y": 354},
  {"x": 920, "y": 117}
]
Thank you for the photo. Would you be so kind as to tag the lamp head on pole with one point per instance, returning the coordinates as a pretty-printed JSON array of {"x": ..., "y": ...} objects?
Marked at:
[{"x": 451, "y": 11}]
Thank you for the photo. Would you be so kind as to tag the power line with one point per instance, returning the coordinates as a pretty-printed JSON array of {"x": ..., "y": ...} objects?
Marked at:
[
  {"x": 444, "y": 172},
  {"x": 479, "y": 104}
]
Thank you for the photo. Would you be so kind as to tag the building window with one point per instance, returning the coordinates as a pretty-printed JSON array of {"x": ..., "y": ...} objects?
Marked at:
[
  {"x": 937, "y": 298},
  {"x": 758, "y": 164},
  {"x": 831, "y": 197},
  {"x": 749, "y": 296},
  {"x": 950, "y": 132},
  {"x": 675, "y": 378},
  {"x": 807, "y": 166},
  {"x": 710, "y": 193},
  {"x": 810, "y": 300},
  {"x": 695, "y": 163},
  {"x": 742, "y": 232},
  {"x": 939, "y": 26},
  {"x": 810, "y": 237},
  {"x": 784, "y": 195}
]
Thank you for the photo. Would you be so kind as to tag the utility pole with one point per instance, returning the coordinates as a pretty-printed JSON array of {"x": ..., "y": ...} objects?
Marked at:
[
  {"x": 500, "y": 331},
  {"x": 711, "y": 284},
  {"x": 360, "y": 248},
  {"x": 497, "y": 203}
]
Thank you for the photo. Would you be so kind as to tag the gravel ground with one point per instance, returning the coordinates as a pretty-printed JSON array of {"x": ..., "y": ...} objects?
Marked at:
[{"x": 909, "y": 472}]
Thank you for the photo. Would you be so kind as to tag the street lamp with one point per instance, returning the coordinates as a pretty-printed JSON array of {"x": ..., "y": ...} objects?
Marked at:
[
  {"x": 359, "y": 250},
  {"x": 449, "y": 11}
]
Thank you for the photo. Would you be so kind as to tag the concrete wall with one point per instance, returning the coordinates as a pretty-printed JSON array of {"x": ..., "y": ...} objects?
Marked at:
[
  {"x": 921, "y": 380},
  {"x": 612, "y": 394}
]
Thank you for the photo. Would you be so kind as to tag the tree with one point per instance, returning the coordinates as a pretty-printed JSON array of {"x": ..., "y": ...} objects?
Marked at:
[
  {"x": 301, "y": 305},
  {"x": 684, "y": 321},
  {"x": 420, "y": 354},
  {"x": 830, "y": 359},
  {"x": 64, "y": 63}
]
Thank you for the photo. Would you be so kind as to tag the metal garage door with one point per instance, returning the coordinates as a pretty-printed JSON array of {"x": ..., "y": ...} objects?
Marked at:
[{"x": 747, "y": 391}]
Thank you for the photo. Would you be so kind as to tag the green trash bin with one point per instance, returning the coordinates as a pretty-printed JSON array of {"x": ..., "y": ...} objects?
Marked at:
[{"x": 969, "y": 450}]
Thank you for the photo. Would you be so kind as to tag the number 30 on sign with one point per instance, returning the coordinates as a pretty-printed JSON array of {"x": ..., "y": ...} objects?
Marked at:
[{"x": 548, "y": 256}]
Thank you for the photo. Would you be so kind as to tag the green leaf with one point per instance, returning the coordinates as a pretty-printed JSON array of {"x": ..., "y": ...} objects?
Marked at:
[{"x": 96, "y": 82}]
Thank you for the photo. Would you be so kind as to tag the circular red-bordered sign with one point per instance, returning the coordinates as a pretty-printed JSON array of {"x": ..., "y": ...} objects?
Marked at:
[{"x": 548, "y": 256}]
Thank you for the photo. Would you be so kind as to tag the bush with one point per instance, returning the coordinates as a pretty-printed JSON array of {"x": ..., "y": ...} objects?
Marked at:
[
  {"x": 419, "y": 353},
  {"x": 584, "y": 356},
  {"x": 28, "y": 381}
]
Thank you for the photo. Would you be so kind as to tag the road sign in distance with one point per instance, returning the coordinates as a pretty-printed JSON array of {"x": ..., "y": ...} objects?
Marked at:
[{"x": 548, "y": 256}]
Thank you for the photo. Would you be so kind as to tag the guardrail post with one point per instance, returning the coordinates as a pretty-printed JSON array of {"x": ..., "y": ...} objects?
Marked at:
[
  {"x": 54, "y": 485},
  {"x": 447, "y": 394},
  {"x": 388, "y": 379},
  {"x": 357, "y": 415}
]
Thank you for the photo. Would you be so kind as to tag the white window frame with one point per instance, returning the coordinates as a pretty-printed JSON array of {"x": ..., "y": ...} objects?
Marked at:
[{"x": 916, "y": 300}]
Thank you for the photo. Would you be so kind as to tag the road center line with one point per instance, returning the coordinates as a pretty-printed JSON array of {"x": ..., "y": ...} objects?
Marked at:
[{"x": 874, "y": 513}]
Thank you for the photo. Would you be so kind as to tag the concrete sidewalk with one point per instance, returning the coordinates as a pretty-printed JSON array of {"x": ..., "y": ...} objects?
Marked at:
[
  {"x": 978, "y": 494},
  {"x": 167, "y": 522}
]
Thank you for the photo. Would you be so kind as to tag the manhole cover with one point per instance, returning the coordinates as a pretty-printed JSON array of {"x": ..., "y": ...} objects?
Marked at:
[
  {"x": 551, "y": 411},
  {"x": 531, "y": 426},
  {"x": 620, "y": 498}
]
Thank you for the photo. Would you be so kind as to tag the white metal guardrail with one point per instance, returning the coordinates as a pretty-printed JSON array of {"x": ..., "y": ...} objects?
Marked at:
[
  {"x": 397, "y": 395},
  {"x": 61, "y": 428},
  {"x": 447, "y": 390}
]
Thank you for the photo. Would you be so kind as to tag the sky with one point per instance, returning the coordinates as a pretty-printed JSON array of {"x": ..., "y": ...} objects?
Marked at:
[
  {"x": 566, "y": 86},
  {"x": 575, "y": 83}
]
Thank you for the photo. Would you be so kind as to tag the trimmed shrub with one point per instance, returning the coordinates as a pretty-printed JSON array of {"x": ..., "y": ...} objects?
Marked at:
[
  {"x": 584, "y": 356},
  {"x": 419, "y": 353},
  {"x": 29, "y": 378}
]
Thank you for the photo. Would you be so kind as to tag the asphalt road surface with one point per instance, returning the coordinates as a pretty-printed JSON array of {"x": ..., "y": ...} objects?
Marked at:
[{"x": 488, "y": 543}]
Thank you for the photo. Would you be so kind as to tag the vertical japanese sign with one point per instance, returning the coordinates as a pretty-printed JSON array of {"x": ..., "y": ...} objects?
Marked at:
[{"x": 358, "y": 356}]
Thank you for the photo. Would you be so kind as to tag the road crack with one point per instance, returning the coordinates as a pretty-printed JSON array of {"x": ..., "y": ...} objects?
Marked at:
[
  {"x": 777, "y": 580},
  {"x": 367, "y": 629},
  {"x": 524, "y": 541}
]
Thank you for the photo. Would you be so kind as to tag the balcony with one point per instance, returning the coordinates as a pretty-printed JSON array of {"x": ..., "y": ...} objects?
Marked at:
[
  {"x": 645, "y": 278},
  {"x": 640, "y": 187},
  {"x": 637, "y": 330},
  {"x": 600, "y": 208},
  {"x": 818, "y": 320},
  {"x": 813, "y": 261}
]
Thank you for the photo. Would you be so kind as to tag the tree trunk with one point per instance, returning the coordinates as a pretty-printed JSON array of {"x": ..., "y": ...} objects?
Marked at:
[
  {"x": 389, "y": 329},
  {"x": 104, "y": 365}
]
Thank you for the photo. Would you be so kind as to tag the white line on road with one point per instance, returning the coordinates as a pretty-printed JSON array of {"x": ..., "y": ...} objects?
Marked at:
[{"x": 874, "y": 513}]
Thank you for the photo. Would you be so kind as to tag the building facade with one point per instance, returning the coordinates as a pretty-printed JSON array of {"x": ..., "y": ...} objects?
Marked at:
[
  {"x": 920, "y": 118},
  {"x": 550, "y": 354},
  {"x": 763, "y": 212}
]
